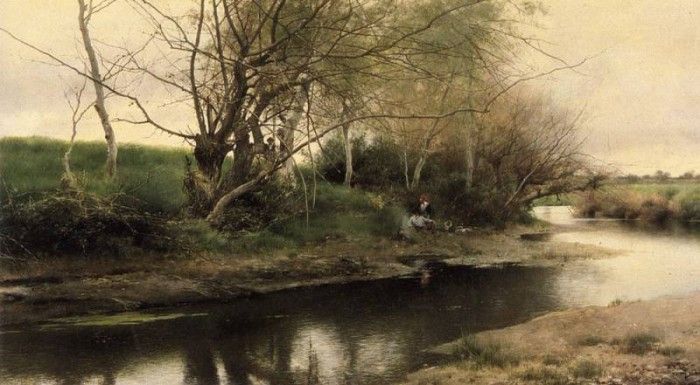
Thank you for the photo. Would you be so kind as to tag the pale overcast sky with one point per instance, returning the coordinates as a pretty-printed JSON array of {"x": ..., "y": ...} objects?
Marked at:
[{"x": 641, "y": 89}]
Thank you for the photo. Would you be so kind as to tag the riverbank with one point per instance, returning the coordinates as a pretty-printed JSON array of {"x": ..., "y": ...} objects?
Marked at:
[
  {"x": 644, "y": 342},
  {"x": 38, "y": 290}
]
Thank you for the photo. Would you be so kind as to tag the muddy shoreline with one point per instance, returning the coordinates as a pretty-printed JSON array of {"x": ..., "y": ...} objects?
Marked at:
[{"x": 38, "y": 291}]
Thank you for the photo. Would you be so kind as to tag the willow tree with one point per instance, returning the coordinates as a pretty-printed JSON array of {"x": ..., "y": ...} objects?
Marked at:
[
  {"x": 246, "y": 70},
  {"x": 249, "y": 66}
]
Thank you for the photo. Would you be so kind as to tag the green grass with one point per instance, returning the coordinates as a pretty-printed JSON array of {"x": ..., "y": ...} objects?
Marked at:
[
  {"x": 668, "y": 190},
  {"x": 340, "y": 213},
  {"x": 152, "y": 174},
  {"x": 485, "y": 353}
]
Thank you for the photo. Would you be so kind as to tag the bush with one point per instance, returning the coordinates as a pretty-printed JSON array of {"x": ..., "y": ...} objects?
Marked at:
[
  {"x": 591, "y": 340},
  {"x": 657, "y": 204},
  {"x": 656, "y": 209},
  {"x": 586, "y": 369},
  {"x": 483, "y": 353},
  {"x": 273, "y": 202},
  {"x": 477, "y": 205},
  {"x": 76, "y": 222},
  {"x": 545, "y": 375},
  {"x": 375, "y": 164},
  {"x": 639, "y": 343},
  {"x": 689, "y": 204}
]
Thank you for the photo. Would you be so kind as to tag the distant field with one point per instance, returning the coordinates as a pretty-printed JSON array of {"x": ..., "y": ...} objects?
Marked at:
[
  {"x": 671, "y": 188},
  {"x": 675, "y": 188},
  {"x": 152, "y": 174},
  {"x": 658, "y": 202}
]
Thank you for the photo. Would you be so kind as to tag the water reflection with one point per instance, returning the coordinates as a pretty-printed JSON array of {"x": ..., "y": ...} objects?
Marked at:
[
  {"x": 362, "y": 333},
  {"x": 654, "y": 261}
]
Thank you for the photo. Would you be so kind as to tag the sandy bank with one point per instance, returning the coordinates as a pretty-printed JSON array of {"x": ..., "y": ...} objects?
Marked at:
[{"x": 645, "y": 342}]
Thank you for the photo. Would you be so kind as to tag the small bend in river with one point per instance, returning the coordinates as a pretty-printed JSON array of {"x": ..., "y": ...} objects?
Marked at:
[{"x": 358, "y": 333}]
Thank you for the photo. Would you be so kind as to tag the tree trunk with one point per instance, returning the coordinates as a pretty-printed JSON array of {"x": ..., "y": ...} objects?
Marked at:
[
  {"x": 469, "y": 163},
  {"x": 348, "y": 155},
  {"x": 347, "y": 141},
  {"x": 472, "y": 137},
  {"x": 217, "y": 211},
  {"x": 242, "y": 163},
  {"x": 418, "y": 170},
  {"x": 421, "y": 163},
  {"x": 405, "y": 168},
  {"x": 68, "y": 177},
  {"x": 111, "y": 140},
  {"x": 289, "y": 127}
]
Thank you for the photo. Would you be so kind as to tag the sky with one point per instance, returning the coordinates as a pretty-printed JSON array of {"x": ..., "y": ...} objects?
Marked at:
[{"x": 640, "y": 85}]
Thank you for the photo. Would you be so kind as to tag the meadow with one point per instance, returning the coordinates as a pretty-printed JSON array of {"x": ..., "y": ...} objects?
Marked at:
[
  {"x": 151, "y": 174},
  {"x": 152, "y": 179}
]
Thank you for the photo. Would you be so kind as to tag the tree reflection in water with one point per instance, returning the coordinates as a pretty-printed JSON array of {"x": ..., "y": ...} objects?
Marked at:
[{"x": 364, "y": 333}]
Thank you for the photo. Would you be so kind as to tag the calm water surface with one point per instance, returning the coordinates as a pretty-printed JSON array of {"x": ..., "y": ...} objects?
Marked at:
[{"x": 361, "y": 333}]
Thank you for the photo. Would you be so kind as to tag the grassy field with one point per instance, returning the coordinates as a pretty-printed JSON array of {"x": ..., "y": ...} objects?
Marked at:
[
  {"x": 669, "y": 189},
  {"x": 154, "y": 176}
]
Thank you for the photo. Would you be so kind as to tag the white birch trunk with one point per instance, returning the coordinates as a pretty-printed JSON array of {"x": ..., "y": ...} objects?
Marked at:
[{"x": 111, "y": 140}]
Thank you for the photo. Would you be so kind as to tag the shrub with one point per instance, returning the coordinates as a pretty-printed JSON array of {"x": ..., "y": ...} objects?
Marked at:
[
  {"x": 273, "y": 202},
  {"x": 671, "y": 350},
  {"x": 476, "y": 205},
  {"x": 639, "y": 343},
  {"x": 545, "y": 375},
  {"x": 375, "y": 164},
  {"x": 689, "y": 204},
  {"x": 77, "y": 222},
  {"x": 485, "y": 353},
  {"x": 551, "y": 359},
  {"x": 591, "y": 340},
  {"x": 656, "y": 209},
  {"x": 615, "y": 302},
  {"x": 586, "y": 369}
]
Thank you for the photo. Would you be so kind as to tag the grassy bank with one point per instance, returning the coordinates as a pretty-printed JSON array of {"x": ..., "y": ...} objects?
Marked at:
[
  {"x": 150, "y": 179},
  {"x": 649, "y": 202},
  {"x": 349, "y": 235},
  {"x": 647, "y": 342},
  {"x": 151, "y": 174}
]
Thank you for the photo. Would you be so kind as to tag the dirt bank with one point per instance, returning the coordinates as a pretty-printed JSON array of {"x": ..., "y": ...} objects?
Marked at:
[
  {"x": 35, "y": 290},
  {"x": 646, "y": 342}
]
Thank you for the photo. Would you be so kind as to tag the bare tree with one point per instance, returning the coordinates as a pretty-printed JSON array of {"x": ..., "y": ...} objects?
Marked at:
[
  {"x": 245, "y": 68},
  {"x": 532, "y": 150},
  {"x": 248, "y": 64},
  {"x": 85, "y": 13},
  {"x": 74, "y": 99}
]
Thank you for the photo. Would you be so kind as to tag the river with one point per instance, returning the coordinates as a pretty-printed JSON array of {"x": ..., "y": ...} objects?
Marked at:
[{"x": 358, "y": 333}]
